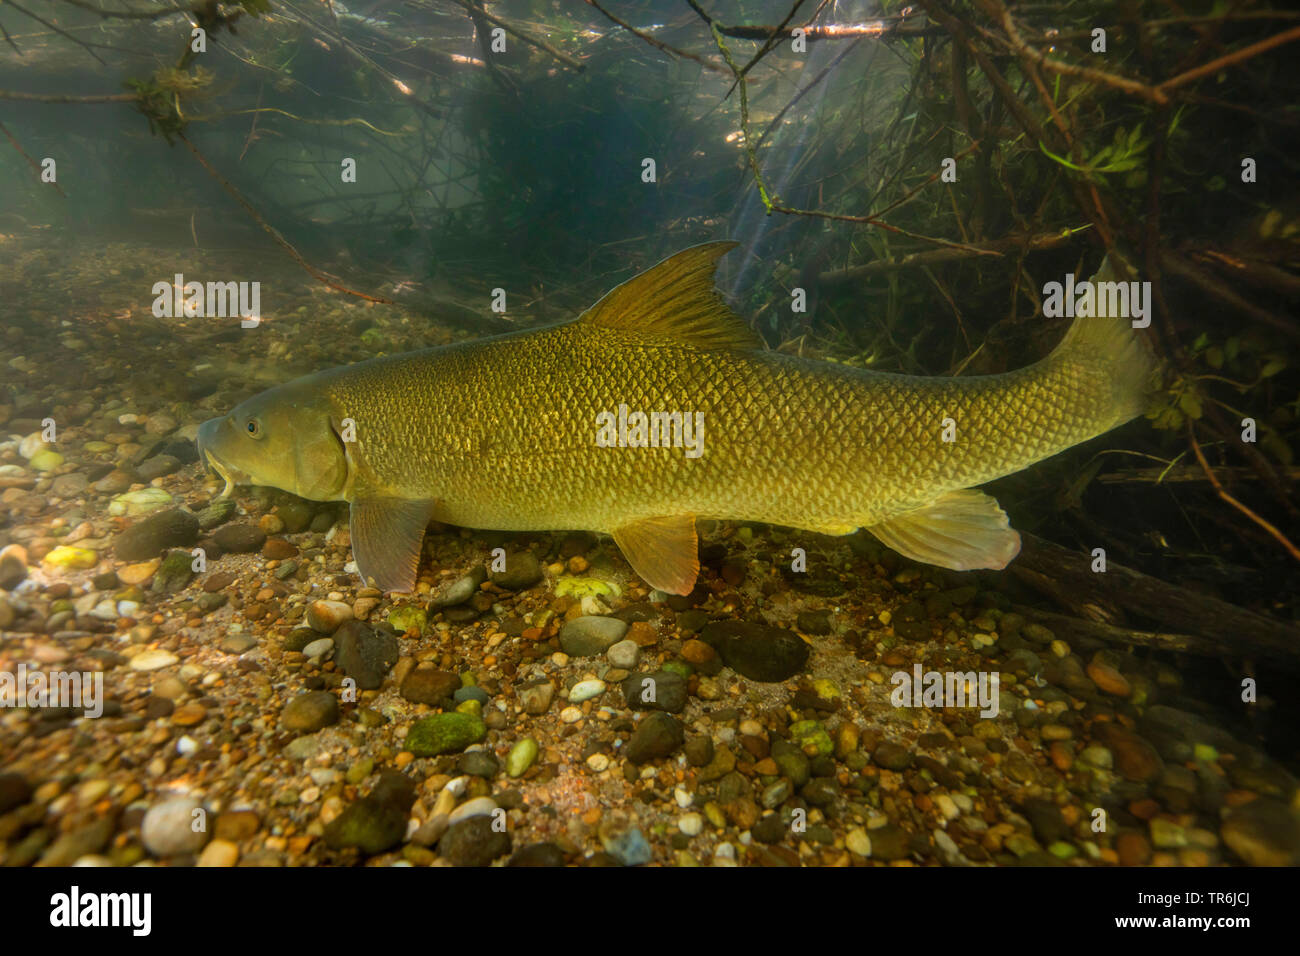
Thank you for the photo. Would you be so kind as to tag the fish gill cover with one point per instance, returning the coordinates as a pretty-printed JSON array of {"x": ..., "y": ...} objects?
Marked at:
[{"x": 623, "y": 432}]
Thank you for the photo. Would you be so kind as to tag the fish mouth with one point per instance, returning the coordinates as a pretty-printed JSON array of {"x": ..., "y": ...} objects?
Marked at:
[{"x": 228, "y": 473}]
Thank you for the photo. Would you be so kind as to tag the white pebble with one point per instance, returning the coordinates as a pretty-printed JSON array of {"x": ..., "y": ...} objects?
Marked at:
[
  {"x": 624, "y": 654},
  {"x": 319, "y": 648},
  {"x": 174, "y": 826},
  {"x": 478, "y": 807},
  {"x": 690, "y": 823},
  {"x": 585, "y": 690},
  {"x": 858, "y": 842},
  {"x": 947, "y": 806},
  {"x": 683, "y": 797},
  {"x": 571, "y": 715},
  {"x": 153, "y": 660}
]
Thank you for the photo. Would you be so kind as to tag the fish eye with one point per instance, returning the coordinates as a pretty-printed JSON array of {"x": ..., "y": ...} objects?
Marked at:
[{"x": 253, "y": 427}]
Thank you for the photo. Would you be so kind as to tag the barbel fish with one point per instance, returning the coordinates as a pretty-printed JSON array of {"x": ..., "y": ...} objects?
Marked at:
[{"x": 658, "y": 406}]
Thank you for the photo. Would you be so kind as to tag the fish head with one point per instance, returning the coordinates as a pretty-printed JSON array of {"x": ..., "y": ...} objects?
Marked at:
[{"x": 286, "y": 437}]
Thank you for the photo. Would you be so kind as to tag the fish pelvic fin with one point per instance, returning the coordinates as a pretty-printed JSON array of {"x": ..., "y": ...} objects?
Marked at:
[
  {"x": 962, "y": 530},
  {"x": 1107, "y": 340},
  {"x": 386, "y": 538},
  {"x": 663, "y": 550},
  {"x": 677, "y": 299}
]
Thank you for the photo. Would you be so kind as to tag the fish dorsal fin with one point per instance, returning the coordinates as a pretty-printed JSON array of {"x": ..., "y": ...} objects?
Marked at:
[
  {"x": 664, "y": 551},
  {"x": 962, "y": 530},
  {"x": 677, "y": 299}
]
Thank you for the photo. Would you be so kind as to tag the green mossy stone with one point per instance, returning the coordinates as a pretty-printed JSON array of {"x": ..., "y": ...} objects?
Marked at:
[{"x": 444, "y": 734}]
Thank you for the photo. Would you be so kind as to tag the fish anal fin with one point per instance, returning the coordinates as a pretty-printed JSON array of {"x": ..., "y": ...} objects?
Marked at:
[
  {"x": 386, "y": 538},
  {"x": 663, "y": 550},
  {"x": 676, "y": 299},
  {"x": 962, "y": 530}
]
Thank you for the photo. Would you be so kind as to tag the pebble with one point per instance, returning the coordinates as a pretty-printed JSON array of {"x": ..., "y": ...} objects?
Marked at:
[
  {"x": 114, "y": 482},
  {"x": 377, "y": 822},
  {"x": 328, "y": 616},
  {"x": 149, "y": 537},
  {"x": 521, "y": 757},
  {"x": 427, "y": 686},
  {"x": 459, "y": 591},
  {"x": 174, "y": 572},
  {"x": 238, "y": 643},
  {"x": 858, "y": 841},
  {"x": 946, "y": 806},
  {"x": 591, "y": 635},
  {"x": 690, "y": 824},
  {"x": 365, "y": 652},
  {"x": 172, "y": 827},
  {"x": 624, "y": 654},
  {"x": 189, "y": 715},
  {"x": 586, "y": 690},
  {"x": 236, "y": 825},
  {"x": 476, "y": 807},
  {"x": 473, "y": 842},
  {"x": 153, "y": 660},
  {"x": 626, "y": 844},
  {"x": 239, "y": 538},
  {"x": 444, "y": 733},
  {"x": 13, "y": 566},
  {"x": 67, "y": 556},
  {"x": 892, "y": 756},
  {"x": 140, "y": 502},
  {"x": 173, "y": 688},
  {"x": 1135, "y": 758},
  {"x": 522, "y": 571},
  {"x": 215, "y": 514},
  {"x": 310, "y": 711},
  {"x": 319, "y": 648},
  {"x": 661, "y": 690},
  {"x": 657, "y": 735},
  {"x": 1263, "y": 832},
  {"x": 536, "y": 697},
  {"x": 157, "y": 467},
  {"x": 761, "y": 653},
  {"x": 1108, "y": 678},
  {"x": 571, "y": 715},
  {"x": 138, "y": 573}
]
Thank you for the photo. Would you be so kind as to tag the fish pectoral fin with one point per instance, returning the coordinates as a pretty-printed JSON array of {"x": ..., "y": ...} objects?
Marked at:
[
  {"x": 962, "y": 530},
  {"x": 386, "y": 538},
  {"x": 664, "y": 551}
]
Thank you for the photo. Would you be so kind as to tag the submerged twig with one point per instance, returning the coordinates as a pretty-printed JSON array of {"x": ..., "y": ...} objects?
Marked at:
[
  {"x": 22, "y": 152},
  {"x": 1219, "y": 489}
]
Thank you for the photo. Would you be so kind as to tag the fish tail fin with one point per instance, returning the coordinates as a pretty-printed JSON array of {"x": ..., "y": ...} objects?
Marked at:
[{"x": 1107, "y": 340}]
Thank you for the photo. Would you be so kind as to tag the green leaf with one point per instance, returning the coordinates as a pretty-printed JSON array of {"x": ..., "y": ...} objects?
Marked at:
[
  {"x": 1190, "y": 404},
  {"x": 1272, "y": 367}
]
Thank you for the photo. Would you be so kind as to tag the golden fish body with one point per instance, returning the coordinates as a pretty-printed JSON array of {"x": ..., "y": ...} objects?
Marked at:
[{"x": 514, "y": 433}]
